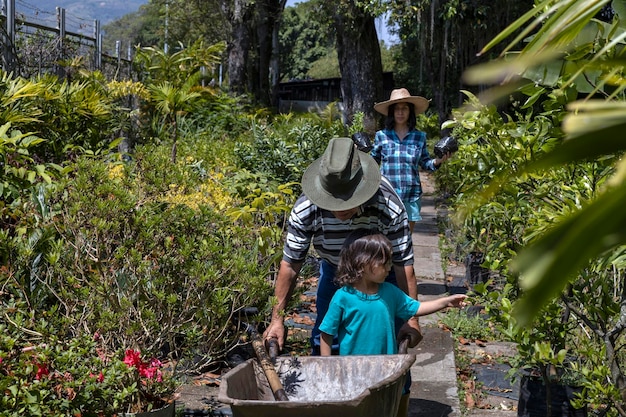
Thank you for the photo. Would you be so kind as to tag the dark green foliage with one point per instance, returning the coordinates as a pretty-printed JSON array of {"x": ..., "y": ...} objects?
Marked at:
[
  {"x": 222, "y": 117},
  {"x": 71, "y": 116},
  {"x": 439, "y": 40},
  {"x": 169, "y": 275},
  {"x": 305, "y": 37},
  {"x": 285, "y": 152}
]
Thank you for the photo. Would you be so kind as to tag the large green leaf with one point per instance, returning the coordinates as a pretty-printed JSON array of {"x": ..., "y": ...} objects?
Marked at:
[
  {"x": 547, "y": 265},
  {"x": 589, "y": 137}
]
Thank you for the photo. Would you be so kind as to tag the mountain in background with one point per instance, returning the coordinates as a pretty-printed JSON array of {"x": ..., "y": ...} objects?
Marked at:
[{"x": 103, "y": 10}]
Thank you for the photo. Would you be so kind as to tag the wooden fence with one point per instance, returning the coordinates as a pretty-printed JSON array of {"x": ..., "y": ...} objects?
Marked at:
[{"x": 32, "y": 46}]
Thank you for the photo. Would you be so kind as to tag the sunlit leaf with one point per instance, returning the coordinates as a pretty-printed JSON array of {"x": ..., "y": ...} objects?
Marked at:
[
  {"x": 496, "y": 72},
  {"x": 515, "y": 26},
  {"x": 549, "y": 263}
]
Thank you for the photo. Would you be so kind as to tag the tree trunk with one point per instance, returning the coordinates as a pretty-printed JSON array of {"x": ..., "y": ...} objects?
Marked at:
[
  {"x": 275, "y": 60},
  {"x": 264, "y": 31},
  {"x": 268, "y": 17},
  {"x": 359, "y": 61},
  {"x": 239, "y": 12}
]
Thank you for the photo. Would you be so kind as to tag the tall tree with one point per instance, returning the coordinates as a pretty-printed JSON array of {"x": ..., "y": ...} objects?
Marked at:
[
  {"x": 306, "y": 35},
  {"x": 358, "y": 51},
  {"x": 238, "y": 13},
  {"x": 441, "y": 38},
  {"x": 267, "y": 23}
]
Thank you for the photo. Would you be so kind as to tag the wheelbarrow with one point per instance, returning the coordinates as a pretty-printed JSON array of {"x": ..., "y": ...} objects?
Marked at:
[{"x": 349, "y": 386}]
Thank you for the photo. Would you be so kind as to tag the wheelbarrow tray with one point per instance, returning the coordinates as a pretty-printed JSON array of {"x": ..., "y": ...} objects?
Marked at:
[{"x": 347, "y": 386}]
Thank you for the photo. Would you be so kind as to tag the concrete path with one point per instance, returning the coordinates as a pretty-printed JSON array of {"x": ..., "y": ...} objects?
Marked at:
[{"x": 434, "y": 390}]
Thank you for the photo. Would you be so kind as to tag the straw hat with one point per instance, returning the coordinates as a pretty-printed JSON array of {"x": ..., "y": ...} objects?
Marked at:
[
  {"x": 402, "y": 95},
  {"x": 342, "y": 178}
]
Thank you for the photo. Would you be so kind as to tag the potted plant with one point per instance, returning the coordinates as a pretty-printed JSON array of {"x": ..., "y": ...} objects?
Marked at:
[
  {"x": 549, "y": 379},
  {"x": 42, "y": 374}
]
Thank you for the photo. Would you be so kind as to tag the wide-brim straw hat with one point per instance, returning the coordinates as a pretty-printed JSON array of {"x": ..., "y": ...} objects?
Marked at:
[
  {"x": 342, "y": 178},
  {"x": 402, "y": 95}
]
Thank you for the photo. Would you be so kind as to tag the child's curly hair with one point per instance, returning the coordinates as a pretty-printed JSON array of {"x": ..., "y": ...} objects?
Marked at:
[{"x": 362, "y": 248}]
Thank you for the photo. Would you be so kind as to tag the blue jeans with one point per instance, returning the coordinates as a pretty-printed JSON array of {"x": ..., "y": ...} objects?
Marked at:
[{"x": 325, "y": 290}]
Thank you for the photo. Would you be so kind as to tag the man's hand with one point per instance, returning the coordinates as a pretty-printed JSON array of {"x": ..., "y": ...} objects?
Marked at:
[
  {"x": 285, "y": 283},
  {"x": 275, "y": 330},
  {"x": 412, "y": 330}
]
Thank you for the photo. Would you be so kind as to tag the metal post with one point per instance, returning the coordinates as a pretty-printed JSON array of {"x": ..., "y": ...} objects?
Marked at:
[
  {"x": 166, "y": 46},
  {"x": 9, "y": 58},
  {"x": 99, "y": 40},
  {"x": 61, "y": 28},
  {"x": 130, "y": 66},
  {"x": 97, "y": 57}
]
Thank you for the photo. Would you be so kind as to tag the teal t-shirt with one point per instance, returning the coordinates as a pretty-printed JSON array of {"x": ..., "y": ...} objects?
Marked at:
[{"x": 364, "y": 323}]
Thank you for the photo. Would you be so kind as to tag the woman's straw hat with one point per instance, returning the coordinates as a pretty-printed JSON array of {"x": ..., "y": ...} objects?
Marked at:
[{"x": 402, "y": 95}]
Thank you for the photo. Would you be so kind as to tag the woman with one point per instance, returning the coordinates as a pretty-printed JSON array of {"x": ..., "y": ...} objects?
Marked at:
[{"x": 400, "y": 149}]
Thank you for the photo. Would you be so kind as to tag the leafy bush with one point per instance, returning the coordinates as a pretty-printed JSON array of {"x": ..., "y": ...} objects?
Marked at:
[
  {"x": 42, "y": 374},
  {"x": 524, "y": 208},
  {"x": 20, "y": 170},
  {"x": 67, "y": 114},
  {"x": 429, "y": 124},
  {"x": 492, "y": 143},
  {"x": 285, "y": 151},
  {"x": 468, "y": 326},
  {"x": 143, "y": 269}
]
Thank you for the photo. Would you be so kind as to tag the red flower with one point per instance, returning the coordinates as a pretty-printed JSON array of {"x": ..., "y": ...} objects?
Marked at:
[
  {"x": 152, "y": 371},
  {"x": 98, "y": 378},
  {"x": 42, "y": 370},
  {"x": 133, "y": 358}
]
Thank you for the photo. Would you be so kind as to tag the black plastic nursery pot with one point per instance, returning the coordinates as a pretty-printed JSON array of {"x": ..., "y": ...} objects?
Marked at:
[
  {"x": 533, "y": 402},
  {"x": 474, "y": 272},
  {"x": 362, "y": 141}
]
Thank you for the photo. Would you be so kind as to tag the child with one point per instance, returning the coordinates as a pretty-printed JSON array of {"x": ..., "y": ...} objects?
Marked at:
[
  {"x": 364, "y": 310},
  {"x": 362, "y": 313}
]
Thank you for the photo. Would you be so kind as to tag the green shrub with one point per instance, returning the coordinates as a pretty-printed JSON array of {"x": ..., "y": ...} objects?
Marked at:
[
  {"x": 285, "y": 152},
  {"x": 147, "y": 271},
  {"x": 42, "y": 374},
  {"x": 468, "y": 326}
]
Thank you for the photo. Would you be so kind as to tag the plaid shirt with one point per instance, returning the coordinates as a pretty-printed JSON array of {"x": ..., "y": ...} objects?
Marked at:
[{"x": 400, "y": 160}]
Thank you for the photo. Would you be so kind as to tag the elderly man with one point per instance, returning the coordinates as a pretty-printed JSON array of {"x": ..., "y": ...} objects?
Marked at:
[{"x": 342, "y": 191}]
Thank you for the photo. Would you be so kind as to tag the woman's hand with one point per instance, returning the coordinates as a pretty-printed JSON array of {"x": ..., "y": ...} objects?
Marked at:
[{"x": 444, "y": 158}]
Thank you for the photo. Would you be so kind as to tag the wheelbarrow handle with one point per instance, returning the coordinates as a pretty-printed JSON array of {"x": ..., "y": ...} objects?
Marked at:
[
  {"x": 403, "y": 346},
  {"x": 268, "y": 367},
  {"x": 273, "y": 349}
]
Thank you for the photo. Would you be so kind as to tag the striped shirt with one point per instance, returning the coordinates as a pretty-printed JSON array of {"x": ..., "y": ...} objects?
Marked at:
[
  {"x": 310, "y": 224},
  {"x": 400, "y": 160}
]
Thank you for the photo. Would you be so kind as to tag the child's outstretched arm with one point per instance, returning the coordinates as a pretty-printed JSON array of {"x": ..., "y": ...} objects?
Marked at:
[
  {"x": 432, "y": 306},
  {"x": 326, "y": 343}
]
